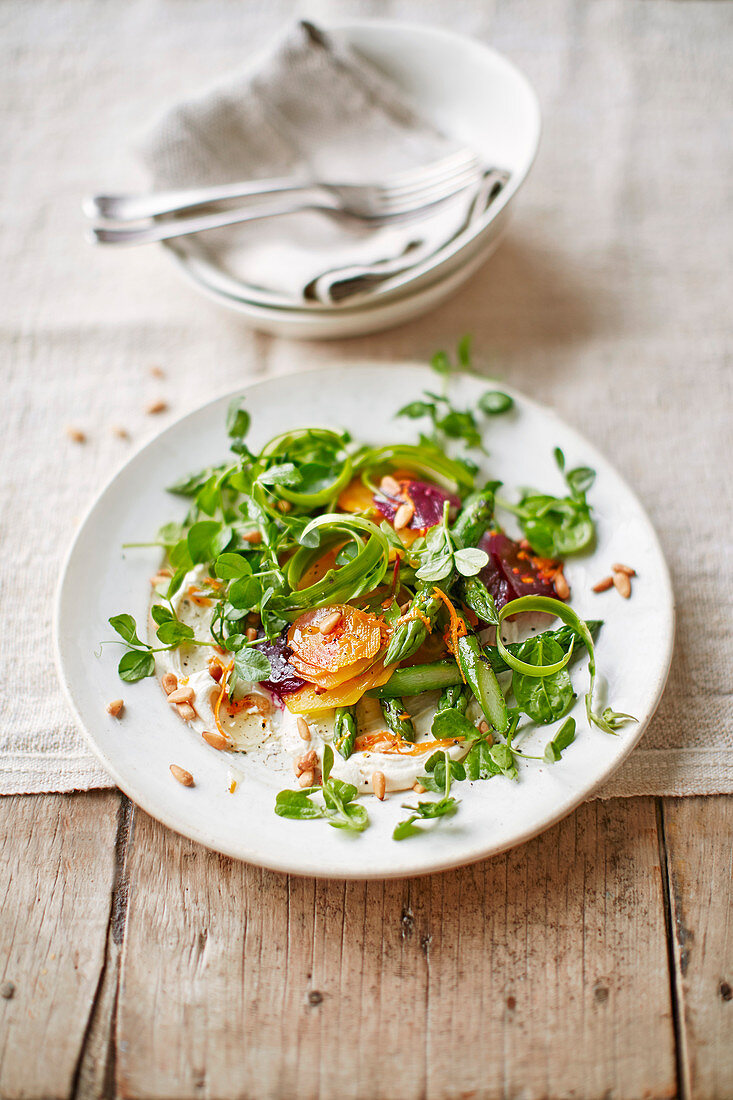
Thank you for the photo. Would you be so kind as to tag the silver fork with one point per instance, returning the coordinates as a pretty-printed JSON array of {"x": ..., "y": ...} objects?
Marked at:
[{"x": 404, "y": 191}]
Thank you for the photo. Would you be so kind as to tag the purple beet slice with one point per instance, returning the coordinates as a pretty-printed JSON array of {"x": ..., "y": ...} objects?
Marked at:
[
  {"x": 428, "y": 500},
  {"x": 512, "y": 572},
  {"x": 284, "y": 679}
]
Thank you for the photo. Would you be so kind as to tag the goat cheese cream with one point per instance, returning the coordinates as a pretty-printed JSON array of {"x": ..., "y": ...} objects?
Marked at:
[{"x": 256, "y": 723}]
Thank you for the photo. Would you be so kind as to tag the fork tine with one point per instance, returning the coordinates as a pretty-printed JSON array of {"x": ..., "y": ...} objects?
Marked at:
[
  {"x": 422, "y": 196},
  {"x": 426, "y": 173}
]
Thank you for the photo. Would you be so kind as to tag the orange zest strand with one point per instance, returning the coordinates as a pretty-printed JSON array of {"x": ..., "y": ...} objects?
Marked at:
[
  {"x": 416, "y": 613},
  {"x": 389, "y": 743},
  {"x": 221, "y": 697},
  {"x": 457, "y": 626},
  {"x": 197, "y": 597}
]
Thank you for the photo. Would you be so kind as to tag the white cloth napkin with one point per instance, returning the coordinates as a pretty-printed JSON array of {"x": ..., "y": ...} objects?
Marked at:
[{"x": 312, "y": 109}]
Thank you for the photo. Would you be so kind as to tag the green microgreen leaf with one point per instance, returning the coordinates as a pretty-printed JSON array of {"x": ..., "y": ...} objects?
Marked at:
[
  {"x": 252, "y": 665},
  {"x": 135, "y": 665},
  {"x": 494, "y": 402}
]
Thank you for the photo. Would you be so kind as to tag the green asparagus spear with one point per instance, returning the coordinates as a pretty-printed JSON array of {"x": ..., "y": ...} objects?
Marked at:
[
  {"x": 454, "y": 697},
  {"x": 409, "y": 636},
  {"x": 344, "y": 730},
  {"x": 474, "y": 593},
  {"x": 474, "y": 518},
  {"x": 481, "y": 678},
  {"x": 397, "y": 719}
]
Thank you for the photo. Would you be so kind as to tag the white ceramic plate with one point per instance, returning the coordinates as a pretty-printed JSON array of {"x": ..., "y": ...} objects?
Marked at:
[
  {"x": 468, "y": 90},
  {"x": 100, "y": 579}
]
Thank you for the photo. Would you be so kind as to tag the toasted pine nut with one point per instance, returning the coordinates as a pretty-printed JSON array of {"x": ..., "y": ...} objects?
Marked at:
[
  {"x": 169, "y": 682},
  {"x": 329, "y": 624},
  {"x": 483, "y": 726},
  {"x": 251, "y": 633},
  {"x": 252, "y": 537},
  {"x": 403, "y": 515},
  {"x": 304, "y": 728},
  {"x": 156, "y": 407},
  {"x": 183, "y": 777},
  {"x": 115, "y": 708},
  {"x": 186, "y": 712},
  {"x": 418, "y": 788},
  {"x": 76, "y": 435},
  {"x": 622, "y": 584},
  {"x": 306, "y": 763},
  {"x": 215, "y": 670},
  {"x": 604, "y": 585},
  {"x": 284, "y": 506},
  {"x": 216, "y": 740},
  {"x": 379, "y": 784},
  {"x": 160, "y": 578},
  {"x": 618, "y": 568},
  {"x": 561, "y": 585},
  {"x": 307, "y": 779},
  {"x": 390, "y": 486},
  {"x": 182, "y": 695}
]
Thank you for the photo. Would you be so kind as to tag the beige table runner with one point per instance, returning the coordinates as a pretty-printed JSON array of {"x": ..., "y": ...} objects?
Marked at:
[{"x": 609, "y": 300}]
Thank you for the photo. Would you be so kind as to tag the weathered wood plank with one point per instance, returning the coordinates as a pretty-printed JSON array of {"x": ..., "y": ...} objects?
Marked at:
[
  {"x": 57, "y": 858},
  {"x": 541, "y": 973},
  {"x": 699, "y": 843}
]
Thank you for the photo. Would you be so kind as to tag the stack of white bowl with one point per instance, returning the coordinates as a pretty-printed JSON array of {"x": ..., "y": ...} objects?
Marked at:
[{"x": 469, "y": 91}]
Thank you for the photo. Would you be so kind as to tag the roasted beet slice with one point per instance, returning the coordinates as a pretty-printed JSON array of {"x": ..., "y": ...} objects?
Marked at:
[
  {"x": 512, "y": 572},
  {"x": 428, "y": 500},
  {"x": 284, "y": 679}
]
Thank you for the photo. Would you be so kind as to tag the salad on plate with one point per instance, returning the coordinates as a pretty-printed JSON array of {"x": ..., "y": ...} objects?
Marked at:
[{"x": 357, "y": 621}]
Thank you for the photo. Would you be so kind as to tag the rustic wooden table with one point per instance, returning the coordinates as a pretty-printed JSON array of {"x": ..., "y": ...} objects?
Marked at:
[{"x": 595, "y": 961}]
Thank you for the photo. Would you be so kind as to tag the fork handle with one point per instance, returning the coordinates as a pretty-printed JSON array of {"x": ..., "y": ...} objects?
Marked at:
[
  {"x": 182, "y": 227},
  {"x": 132, "y": 208}
]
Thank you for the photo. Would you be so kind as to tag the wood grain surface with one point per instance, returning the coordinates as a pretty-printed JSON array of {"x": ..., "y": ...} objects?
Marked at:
[{"x": 594, "y": 961}]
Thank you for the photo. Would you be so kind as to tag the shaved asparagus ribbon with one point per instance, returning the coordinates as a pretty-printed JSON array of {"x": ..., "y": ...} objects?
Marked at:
[{"x": 550, "y": 606}]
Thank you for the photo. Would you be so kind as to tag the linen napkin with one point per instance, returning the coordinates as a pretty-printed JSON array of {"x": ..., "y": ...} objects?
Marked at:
[{"x": 313, "y": 109}]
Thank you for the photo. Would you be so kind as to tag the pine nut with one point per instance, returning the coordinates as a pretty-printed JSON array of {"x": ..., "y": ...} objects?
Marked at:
[
  {"x": 304, "y": 729},
  {"x": 160, "y": 578},
  {"x": 251, "y": 633},
  {"x": 604, "y": 585},
  {"x": 561, "y": 585},
  {"x": 185, "y": 778},
  {"x": 618, "y": 568},
  {"x": 306, "y": 763},
  {"x": 186, "y": 712},
  {"x": 390, "y": 486},
  {"x": 252, "y": 537},
  {"x": 403, "y": 515},
  {"x": 182, "y": 695},
  {"x": 115, "y": 708},
  {"x": 622, "y": 584},
  {"x": 215, "y": 670},
  {"x": 169, "y": 683},
  {"x": 216, "y": 740},
  {"x": 284, "y": 506},
  {"x": 379, "y": 784},
  {"x": 483, "y": 726},
  {"x": 76, "y": 435},
  {"x": 329, "y": 624},
  {"x": 418, "y": 788},
  {"x": 307, "y": 779},
  {"x": 156, "y": 407}
]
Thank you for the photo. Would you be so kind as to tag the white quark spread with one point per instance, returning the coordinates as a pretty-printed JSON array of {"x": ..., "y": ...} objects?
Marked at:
[{"x": 265, "y": 729}]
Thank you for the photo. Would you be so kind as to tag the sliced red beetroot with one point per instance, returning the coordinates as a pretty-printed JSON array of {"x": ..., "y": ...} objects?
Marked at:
[
  {"x": 428, "y": 500},
  {"x": 284, "y": 679},
  {"x": 512, "y": 572}
]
